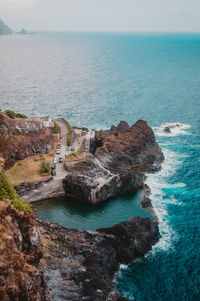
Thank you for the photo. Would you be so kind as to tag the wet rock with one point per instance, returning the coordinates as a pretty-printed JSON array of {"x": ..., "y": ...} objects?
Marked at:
[{"x": 167, "y": 129}]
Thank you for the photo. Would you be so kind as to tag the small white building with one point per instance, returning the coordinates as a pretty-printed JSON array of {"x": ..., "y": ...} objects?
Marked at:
[{"x": 47, "y": 122}]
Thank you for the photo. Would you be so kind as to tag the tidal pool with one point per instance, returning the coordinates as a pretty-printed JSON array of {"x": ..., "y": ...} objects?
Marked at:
[{"x": 83, "y": 216}]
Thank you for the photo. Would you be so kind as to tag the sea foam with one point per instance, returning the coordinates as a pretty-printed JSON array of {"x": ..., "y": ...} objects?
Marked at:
[{"x": 176, "y": 128}]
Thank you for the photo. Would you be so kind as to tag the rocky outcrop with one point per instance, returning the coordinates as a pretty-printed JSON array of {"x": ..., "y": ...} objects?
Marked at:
[
  {"x": 80, "y": 265},
  {"x": 46, "y": 262},
  {"x": 26, "y": 187},
  {"x": 20, "y": 138},
  {"x": 21, "y": 276},
  {"x": 122, "y": 156}
]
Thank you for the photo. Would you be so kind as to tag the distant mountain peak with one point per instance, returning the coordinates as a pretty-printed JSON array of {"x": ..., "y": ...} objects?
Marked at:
[{"x": 4, "y": 29}]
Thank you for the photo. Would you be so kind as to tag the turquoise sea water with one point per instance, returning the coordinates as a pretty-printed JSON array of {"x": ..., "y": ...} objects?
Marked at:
[
  {"x": 96, "y": 80},
  {"x": 77, "y": 215}
]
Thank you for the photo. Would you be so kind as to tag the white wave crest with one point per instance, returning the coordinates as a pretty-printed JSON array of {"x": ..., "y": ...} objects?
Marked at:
[
  {"x": 175, "y": 129},
  {"x": 158, "y": 182}
]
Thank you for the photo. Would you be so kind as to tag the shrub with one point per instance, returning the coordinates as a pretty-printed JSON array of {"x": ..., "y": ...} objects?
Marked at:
[
  {"x": 20, "y": 115},
  {"x": 45, "y": 166},
  {"x": 75, "y": 155},
  {"x": 10, "y": 114},
  {"x": 56, "y": 129},
  {"x": 69, "y": 133},
  {"x": 7, "y": 192}
]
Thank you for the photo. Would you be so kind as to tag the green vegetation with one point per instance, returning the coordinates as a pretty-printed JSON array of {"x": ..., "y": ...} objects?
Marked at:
[
  {"x": 7, "y": 192},
  {"x": 45, "y": 166},
  {"x": 56, "y": 129},
  {"x": 20, "y": 115},
  {"x": 76, "y": 155},
  {"x": 12, "y": 114},
  {"x": 69, "y": 129},
  {"x": 46, "y": 255}
]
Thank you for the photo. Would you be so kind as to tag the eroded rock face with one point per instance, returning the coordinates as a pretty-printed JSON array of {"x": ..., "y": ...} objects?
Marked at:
[
  {"x": 21, "y": 277},
  {"x": 80, "y": 265},
  {"x": 20, "y": 138},
  {"x": 122, "y": 156}
]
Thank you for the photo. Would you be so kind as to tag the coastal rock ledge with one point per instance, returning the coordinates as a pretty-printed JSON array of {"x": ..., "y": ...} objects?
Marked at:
[
  {"x": 81, "y": 265},
  {"x": 120, "y": 158},
  {"x": 46, "y": 262}
]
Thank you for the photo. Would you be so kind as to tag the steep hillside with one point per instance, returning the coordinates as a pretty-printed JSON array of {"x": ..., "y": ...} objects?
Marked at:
[
  {"x": 43, "y": 261},
  {"x": 20, "y": 138}
]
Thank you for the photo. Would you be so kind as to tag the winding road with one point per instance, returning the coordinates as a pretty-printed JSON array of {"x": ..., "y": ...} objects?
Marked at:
[{"x": 53, "y": 188}]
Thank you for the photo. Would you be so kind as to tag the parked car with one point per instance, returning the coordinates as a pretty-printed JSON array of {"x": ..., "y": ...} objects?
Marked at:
[
  {"x": 53, "y": 166},
  {"x": 55, "y": 161},
  {"x": 66, "y": 155},
  {"x": 53, "y": 172},
  {"x": 59, "y": 145},
  {"x": 58, "y": 152},
  {"x": 60, "y": 159},
  {"x": 72, "y": 149}
]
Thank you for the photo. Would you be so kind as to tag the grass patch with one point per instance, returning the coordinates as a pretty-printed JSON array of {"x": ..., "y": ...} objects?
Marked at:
[
  {"x": 29, "y": 168},
  {"x": 7, "y": 192},
  {"x": 20, "y": 115},
  {"x": 56, "y": 129},
  {"x": 76, "y": 155},
  {"x": 45, "y": 167},
  {"x": 13, "y": 115},
  {"x": 10, "y": 114},
  {"x": 69, "y": 131}
]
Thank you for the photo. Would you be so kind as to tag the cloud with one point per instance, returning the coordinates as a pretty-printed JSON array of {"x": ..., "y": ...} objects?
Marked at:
[{"x": 7, "y": 5}]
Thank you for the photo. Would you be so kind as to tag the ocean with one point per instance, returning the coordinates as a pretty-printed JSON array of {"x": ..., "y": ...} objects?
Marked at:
[{"x": 96, "y": 80}]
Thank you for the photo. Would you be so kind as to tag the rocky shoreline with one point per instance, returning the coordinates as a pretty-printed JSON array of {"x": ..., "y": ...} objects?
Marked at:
[
  {"x": 60, "y": 264},
  {"x": 120, "y": 159},
  {"x": 80, "y": 265}
]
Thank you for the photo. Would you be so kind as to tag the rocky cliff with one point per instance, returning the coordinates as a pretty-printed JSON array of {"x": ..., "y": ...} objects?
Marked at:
[
  {"x": 21, "y": 276},
  {"x": 20, "y": 138},
  {"x": 121, "y": 157},
  {"x": 43, "y": 261}
]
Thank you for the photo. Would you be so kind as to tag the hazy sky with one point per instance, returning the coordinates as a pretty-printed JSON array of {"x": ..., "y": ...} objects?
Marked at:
[{"x": 102, "y": 15}]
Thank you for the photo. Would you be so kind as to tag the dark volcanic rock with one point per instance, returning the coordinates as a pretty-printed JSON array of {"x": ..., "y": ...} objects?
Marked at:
[
  {"x": 167, "y": 129},
  {"x": 81, "y": 265},
  {"x": 121, "y": 158},
  {"x": 121, "y": 128}
]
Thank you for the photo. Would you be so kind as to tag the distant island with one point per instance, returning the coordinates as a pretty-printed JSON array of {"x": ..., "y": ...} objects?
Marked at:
[{"x": 4, "y": 29}]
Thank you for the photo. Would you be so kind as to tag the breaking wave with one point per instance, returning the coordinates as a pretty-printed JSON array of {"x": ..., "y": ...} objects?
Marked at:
[{"x": 172, "y": 129}]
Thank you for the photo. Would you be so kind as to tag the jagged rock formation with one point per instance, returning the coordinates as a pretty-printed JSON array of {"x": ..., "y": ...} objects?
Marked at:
[
  {"x": 43, "y": 261},
  {"x": 122, "y": 155},
  {"x": 4, "y": 29},
  {"x": 20, "y": 138},
  {"x": 80, "y": 265}
]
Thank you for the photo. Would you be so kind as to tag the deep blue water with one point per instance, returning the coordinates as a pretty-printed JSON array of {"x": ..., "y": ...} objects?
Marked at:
[{"x": 95, "y": 80}]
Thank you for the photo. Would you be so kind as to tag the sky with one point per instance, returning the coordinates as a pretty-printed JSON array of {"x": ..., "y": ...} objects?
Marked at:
[{"x": 102, "y": 15}]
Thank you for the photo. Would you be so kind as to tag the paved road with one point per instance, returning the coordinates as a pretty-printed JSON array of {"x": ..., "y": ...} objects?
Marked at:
[
  {"x": 53, "y": 188},
  {"x": 60, "y": 172}
]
